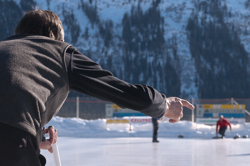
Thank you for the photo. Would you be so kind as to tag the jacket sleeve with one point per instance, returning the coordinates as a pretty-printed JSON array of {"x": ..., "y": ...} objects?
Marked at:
[
  {"x": 229, "y": 124},
  {"x": 86, "y": 76}
]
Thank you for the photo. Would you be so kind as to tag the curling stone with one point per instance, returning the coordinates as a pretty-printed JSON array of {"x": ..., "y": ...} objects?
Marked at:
[
  {"x": 245, "y": 136},
  {"x": 180, "y": 136},
  {"x": 236, "y": 136}
]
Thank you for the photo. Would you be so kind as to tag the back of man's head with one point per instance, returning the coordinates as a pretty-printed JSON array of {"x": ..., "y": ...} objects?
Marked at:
[{"x": 41, "y": 22}]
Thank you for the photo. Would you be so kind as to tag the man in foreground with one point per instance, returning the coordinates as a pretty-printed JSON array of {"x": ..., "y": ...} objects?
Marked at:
[
  {"x": 223, "y": 123},
  {"x": 38, "y": 70}
]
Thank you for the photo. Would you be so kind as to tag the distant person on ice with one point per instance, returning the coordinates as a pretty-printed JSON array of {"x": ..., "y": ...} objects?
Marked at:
[
  {"x": 155, "y": 123},
  {"x": 223, "y": 123},
  {"x": 38, "y": 70}
]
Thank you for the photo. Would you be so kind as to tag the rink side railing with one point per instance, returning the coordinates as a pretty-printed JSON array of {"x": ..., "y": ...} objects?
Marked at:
[{"x": 92, "y": 108}]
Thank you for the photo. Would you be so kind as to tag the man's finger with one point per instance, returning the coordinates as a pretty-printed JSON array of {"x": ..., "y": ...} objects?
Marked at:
[
  {"x": 50, "y": 150},
  {"x": 51, "y": 134},
  {"x": 181, "y": 115},
  {"x": 45, "y": 131},
  {"x": 180, "y": 101},
  {"x": 187, "y": 104},
  {"x": 172, "y": 121},
  {"x": 45, "y": 144}
]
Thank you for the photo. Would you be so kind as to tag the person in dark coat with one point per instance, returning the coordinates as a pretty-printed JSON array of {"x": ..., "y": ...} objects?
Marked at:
[
  {"x": 38, "y": 70},
  {"x": 155, "y": 123}
]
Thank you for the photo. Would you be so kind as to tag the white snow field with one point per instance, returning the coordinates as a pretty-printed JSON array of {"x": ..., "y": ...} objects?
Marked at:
[{"x": 93, "y": 143}]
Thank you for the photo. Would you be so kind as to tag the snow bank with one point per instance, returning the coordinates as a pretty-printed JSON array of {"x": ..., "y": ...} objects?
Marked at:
[{"x": 75, "y": 127}]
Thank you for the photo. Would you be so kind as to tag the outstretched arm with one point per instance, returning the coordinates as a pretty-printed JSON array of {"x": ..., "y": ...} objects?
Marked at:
[
  {"x": 86, "y": 76},
  {"x": 229, "y": 125}
]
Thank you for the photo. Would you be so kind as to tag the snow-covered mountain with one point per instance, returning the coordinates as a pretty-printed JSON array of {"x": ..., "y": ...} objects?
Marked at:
[{"x": 195, "y": 48}]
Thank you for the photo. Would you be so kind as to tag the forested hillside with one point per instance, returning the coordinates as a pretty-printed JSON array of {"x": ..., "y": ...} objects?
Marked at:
[
  {"x": 220, "y": 58},
  {"x": 182, "y": 48}
]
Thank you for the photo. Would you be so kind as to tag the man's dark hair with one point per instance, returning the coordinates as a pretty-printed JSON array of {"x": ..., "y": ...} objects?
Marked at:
[{"x": 41, "y": 22}]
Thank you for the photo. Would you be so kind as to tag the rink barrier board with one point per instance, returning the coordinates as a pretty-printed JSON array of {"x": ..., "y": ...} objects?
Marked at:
[
  {"x": 213, "y": 121},
  {"x": 216, "y": 110},
  {"x": 117, "y": 121}
]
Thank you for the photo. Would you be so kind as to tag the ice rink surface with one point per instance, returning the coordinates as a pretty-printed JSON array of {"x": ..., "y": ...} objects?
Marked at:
[{"x": 142, "y": 152}]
